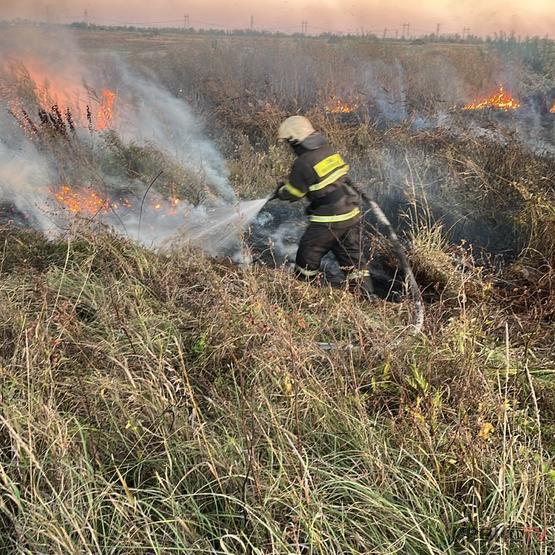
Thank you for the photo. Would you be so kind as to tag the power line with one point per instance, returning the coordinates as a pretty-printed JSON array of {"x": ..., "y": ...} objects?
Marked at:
[{"x": 186, "y": 21}]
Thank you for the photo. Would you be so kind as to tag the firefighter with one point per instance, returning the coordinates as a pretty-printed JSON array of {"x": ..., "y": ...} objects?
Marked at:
[{"x": 321, "y": 175}]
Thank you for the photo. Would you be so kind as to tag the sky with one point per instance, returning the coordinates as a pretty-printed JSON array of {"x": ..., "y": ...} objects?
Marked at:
[{"x": 524, "y": 17}]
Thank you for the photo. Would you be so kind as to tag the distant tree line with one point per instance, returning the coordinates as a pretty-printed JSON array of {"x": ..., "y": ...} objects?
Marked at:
[{"x": 532, "y": 46}]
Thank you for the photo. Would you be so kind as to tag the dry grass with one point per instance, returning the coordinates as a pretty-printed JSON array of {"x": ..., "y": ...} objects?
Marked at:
[{"x": 178, "y": 405}]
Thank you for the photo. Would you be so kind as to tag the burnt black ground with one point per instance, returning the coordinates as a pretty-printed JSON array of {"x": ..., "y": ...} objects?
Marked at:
[
  {"x": 275, "y": 234},
  {"x": 11, "y": 215}
]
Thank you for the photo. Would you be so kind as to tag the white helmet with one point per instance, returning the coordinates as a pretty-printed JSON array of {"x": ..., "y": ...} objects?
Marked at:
[{"x": 295, "y": 129}]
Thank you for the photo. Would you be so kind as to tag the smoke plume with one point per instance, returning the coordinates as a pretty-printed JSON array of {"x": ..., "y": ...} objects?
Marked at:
[{"x": 70, "y": 121}]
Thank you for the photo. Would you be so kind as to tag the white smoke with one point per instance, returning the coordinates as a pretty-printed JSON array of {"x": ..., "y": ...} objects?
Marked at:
[
  {"x": 152, "y": 114},
  {"x": 386, "y": 88},
  {"x": 146, "y": 116},
  {"x": 23, "y": 173}
]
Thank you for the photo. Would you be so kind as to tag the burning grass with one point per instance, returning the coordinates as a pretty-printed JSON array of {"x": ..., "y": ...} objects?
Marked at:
[
  {"x": 500, "y": 100},
  {"x": 31, "y": 87},
  {"x": 174, "y": 403},
  {"x": 105, "y": 117},
  {"x": 77, "y": 133},
  {"x": 338, "y": 105},
  {"x": 87, "y": 202}
]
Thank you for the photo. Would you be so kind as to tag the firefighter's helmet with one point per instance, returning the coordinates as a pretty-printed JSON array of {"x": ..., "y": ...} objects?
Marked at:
[{"x": 295, "y": 129}]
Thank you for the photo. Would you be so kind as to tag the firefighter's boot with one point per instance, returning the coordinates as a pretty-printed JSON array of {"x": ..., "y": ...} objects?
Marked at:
[{"x": 360, "y": 284}]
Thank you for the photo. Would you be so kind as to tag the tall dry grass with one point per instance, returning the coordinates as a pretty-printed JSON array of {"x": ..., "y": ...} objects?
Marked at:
[{"x": 176, "y": 405}]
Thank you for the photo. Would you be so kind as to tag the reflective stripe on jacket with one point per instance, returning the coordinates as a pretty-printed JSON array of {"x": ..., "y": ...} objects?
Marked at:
[{"x": 321, "y": 175}]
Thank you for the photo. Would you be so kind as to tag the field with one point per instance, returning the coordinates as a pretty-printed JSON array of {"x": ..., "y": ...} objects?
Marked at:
[{"x": 166, "y": 400}]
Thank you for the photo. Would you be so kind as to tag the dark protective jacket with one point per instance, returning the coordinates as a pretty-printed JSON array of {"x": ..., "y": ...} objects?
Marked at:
[{"x": 321, "y": 175}]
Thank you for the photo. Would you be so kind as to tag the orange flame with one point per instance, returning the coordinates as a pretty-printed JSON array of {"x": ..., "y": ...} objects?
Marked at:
[
  {"x": 88, "y": 202},
  {"x": 552, "y": 111},
  {"x": 339, "y": 106},
  {"x": 52, "y": 88},
  {"x": 80, "y": 201},
  {"x": 64, "y": 90},
  {"x": 500, "y": 100},
  {"x": 106, "y": 111}
]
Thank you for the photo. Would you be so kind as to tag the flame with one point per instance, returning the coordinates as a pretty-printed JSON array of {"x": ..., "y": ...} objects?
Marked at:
[
  {"x": 64, "y": 90},
  {"x": 174, "y": 201},
  {"x": 80, "y": 201},
  {"x": 88, "y": 202},
  {"x": 106, "y": 111},
  {"x": 500, "y": 100},
  {"x": 337, "y": 105},
  {"x": 168, "y": 207},
  {"x": 552, "y": 111},
  {"x": 122, "y": 203},
  {"x": 52, "y": 88}
]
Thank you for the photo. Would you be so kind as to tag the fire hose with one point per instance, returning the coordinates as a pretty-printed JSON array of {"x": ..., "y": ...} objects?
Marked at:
[
  {"x": 400, "y": 253},
  {"x": 403, "y": 259}
]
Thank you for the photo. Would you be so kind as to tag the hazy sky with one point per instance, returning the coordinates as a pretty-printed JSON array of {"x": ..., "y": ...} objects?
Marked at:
[{"x": 482, "y": 16}]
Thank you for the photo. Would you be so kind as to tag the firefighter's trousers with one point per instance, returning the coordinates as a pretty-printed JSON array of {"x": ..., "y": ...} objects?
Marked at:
[{"x": 346, "y": 243}]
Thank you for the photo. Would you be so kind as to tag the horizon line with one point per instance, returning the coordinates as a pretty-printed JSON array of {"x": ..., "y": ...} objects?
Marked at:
[{"x": 382, "y": 34}]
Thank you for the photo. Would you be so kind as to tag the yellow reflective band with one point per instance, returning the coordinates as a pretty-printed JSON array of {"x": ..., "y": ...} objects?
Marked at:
[
  {"x": 334, "y": 219},
  {"x": 328, "y": 165},
  {"x": 331, "y": 179},
  {"x": 356, "y": 274},
  {"x": 305, "y": 272},
  {"x": 293, "y": 190}
]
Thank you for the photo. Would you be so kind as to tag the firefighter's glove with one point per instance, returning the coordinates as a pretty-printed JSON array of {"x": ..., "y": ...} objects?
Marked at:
[{"x": 275, "y": 195}]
